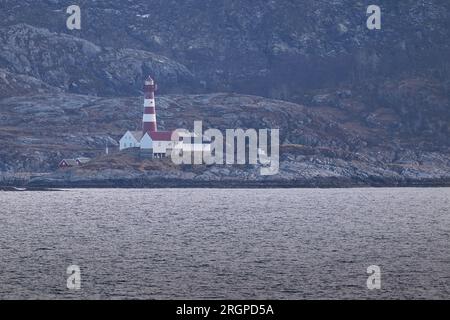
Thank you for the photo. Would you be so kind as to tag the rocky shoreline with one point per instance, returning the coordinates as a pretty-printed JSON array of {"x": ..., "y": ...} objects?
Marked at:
[
  {"x": 22, "y": 189},
  {"x": 175, "y": 183}
]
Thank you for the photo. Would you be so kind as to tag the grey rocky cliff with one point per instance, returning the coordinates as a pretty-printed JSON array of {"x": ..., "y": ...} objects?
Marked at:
[
  {"x": 80, "y": 66},
  {"x": 269, "y": 48}
]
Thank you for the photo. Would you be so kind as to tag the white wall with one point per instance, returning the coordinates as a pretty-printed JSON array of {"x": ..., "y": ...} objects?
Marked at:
[
  {"x": 128, "y": 141},
  {"x": 161, "y": 146},
  {"x": 146, "y": 142}
]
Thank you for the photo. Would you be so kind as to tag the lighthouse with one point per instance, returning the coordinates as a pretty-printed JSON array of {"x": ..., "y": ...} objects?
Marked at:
[
  {"x": 149, "y": 116},
  {"x": 150, "y": 141}
]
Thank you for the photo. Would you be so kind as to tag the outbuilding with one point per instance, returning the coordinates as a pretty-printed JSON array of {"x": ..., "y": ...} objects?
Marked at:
[{"x": 68, "y": 163}]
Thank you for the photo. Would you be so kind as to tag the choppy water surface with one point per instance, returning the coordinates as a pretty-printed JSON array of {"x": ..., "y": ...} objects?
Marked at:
[{"x": 210, "y": 243}]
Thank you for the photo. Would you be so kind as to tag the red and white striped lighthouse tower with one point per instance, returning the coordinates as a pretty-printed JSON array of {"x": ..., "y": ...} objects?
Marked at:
[{"x": 149, "y": 117}]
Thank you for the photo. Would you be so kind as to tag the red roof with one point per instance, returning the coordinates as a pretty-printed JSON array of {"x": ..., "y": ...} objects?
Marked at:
[{"x": 160, "y": 135}]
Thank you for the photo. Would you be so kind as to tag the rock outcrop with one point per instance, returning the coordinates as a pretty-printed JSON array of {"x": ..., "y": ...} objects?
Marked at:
[
  {"x": 319, "y": 146},
  {"x": 79, "y": 66},
  {"x": 13, "y": 84}
]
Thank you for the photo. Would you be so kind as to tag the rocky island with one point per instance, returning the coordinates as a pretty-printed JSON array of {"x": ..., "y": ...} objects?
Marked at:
[{"x": 354, "y": 108}]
